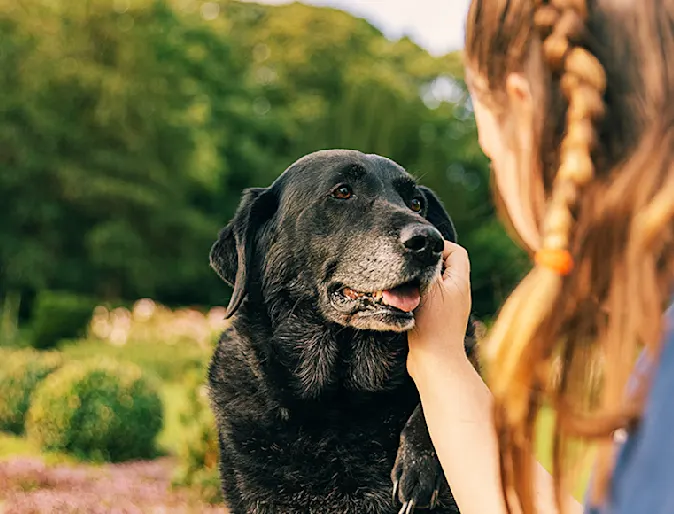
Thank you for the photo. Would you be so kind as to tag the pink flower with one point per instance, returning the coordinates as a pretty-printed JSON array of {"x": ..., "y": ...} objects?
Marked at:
[{"x": 29, "y": 486}]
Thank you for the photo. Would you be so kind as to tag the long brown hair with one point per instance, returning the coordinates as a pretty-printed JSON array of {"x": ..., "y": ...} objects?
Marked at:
[{"x": 604, "y": 72}]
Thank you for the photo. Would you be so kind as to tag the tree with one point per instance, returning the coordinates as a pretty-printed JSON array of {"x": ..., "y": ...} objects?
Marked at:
[
  {"x": 338, "y": 83},
  {"x": 128, "y": 129}
]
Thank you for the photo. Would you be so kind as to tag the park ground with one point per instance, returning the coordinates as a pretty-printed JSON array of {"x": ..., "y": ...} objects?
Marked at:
[{"x": 32, "y": 481}]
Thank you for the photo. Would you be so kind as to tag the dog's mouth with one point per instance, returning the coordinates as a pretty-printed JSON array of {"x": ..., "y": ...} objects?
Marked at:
[
  {"x": 405, "y": 297},
  {"x": 401, "y": 299}
]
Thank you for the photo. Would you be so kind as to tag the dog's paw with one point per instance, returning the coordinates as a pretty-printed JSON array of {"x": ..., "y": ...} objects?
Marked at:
[{"x": 417, "y": 477}]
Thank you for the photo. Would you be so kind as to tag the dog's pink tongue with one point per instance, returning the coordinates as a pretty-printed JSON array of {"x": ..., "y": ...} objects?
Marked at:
[{"x": 405, "y": 298}]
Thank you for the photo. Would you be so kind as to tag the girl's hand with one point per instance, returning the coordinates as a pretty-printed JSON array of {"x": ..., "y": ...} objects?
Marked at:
[{"x": 442, "y": 317}]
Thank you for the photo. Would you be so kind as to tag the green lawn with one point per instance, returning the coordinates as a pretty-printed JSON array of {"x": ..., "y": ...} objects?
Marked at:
[
  {"x": 18, "y": 446},
  {"x": 171, "y": 365},
  {"x": 174, "y": 396},
  {"x": 12, "y": 445}
]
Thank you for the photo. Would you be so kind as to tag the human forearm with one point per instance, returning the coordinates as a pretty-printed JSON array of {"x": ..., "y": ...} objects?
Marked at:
[
  {"x": 461, "y": 428},
  {"x": 457, "y": 405}
]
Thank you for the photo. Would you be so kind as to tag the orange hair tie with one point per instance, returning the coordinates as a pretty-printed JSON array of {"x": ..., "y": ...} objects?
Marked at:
[{"x": 559, "y": 261}]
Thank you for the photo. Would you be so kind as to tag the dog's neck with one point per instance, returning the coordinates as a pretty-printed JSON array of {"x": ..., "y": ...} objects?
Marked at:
[{"x": 310, "y": 358}]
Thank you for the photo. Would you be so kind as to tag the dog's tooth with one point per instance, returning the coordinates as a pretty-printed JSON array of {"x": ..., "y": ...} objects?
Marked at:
[
  {"x": 377, "y": 295},
  {"x": 350, "y": 293}
]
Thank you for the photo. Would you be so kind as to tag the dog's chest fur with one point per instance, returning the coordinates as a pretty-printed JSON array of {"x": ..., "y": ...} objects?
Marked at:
[{"x": 310, "y": 418}]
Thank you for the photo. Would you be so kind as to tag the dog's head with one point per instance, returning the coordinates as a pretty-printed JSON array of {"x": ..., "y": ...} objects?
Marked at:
[{"x": 352, "y": 233}]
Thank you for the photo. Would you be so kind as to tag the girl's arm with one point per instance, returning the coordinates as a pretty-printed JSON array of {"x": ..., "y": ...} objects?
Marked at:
[
  {"x": 455, "y": 400},
  {"x": 457, "y": 408}
]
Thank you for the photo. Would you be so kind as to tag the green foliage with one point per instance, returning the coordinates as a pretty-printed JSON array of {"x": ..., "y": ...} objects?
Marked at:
[
  {"x": 198, "y": 450},
  {"x": 59, "y": 316},
  {"x": 107, "y": 118},
  {"x": 20, "y": 374},
  {"x": 336, "y": 82},
  {"x": 9, "y": 318},
  {"x": 136, "y": 124},
  {"x": 98, "y": 410},
  {"x": 170, "y": 363}
]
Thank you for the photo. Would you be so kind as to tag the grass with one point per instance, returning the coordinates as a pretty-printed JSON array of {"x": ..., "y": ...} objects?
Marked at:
[
  {"x": 12, "y": 445},
  {"x": 172, "y": 364},
  {"x": 174, "y": 396}
]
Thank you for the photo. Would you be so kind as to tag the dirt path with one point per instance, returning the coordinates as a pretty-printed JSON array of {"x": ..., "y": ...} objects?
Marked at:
[{"x": 28, "y": 486}]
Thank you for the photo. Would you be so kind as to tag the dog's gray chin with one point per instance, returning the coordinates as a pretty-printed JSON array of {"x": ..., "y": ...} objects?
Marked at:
[
  {"x": 378, "y": 322},
  {"x": 381, "y": 324}
]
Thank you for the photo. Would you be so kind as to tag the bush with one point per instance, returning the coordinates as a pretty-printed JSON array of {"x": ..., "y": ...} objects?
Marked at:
[
  {"x": 60, "y": 316},
  {"x": 170, "y": 363},
  {"x": 20, "y": 374},
  {"x": 97, "y": 410},
  {"x": 199, "y": 454}
]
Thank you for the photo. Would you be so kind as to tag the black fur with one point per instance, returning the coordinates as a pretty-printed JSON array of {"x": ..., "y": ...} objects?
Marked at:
[{"x": 312, "y": 400}]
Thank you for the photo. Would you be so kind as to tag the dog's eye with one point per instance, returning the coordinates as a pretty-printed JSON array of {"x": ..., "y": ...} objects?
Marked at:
[
  {"x": 416, "y": 204},
  {"x": 342, "y": 192}
]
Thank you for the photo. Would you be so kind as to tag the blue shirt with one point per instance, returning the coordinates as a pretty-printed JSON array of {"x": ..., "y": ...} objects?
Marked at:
[{"x": 643, "y": 478}]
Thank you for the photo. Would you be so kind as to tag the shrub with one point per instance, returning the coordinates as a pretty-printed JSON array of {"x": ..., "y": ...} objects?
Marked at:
[
  {"x": 97, "y": 410},
  {"x": 198, "y": 453},
  {"x": 20, "y": 374},
  {"x": 170, "y": 363},
  {"x": 60, "y": 316}
]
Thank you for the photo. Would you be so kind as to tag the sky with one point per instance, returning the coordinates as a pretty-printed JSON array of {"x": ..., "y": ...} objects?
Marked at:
[{"x": 436, "y": 25}]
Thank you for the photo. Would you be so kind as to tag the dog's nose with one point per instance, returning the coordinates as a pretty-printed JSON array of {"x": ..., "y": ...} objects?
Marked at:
[{"x": 423, "y": 241}]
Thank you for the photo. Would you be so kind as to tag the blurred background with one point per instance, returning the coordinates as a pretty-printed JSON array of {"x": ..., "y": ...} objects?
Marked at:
[{"x": 128, "y": 129}]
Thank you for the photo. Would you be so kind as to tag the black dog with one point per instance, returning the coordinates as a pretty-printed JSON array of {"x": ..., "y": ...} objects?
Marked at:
[{"x": 309, "y": 387}]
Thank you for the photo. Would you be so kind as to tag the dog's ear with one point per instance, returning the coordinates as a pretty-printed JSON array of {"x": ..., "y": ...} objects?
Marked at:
[
  {"x": 438, "y": 216},
  {"x": 232, "y": 254}
]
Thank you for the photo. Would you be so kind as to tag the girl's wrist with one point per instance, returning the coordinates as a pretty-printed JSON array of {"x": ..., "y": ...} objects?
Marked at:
[{"x": 437, "y": 359}]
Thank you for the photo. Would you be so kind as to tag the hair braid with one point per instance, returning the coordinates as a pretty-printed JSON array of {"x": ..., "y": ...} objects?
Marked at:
[
  {"x": 583, "y": 83},
  {"x": 516, "y": 340},
  {"x": 568, "y": 335}
]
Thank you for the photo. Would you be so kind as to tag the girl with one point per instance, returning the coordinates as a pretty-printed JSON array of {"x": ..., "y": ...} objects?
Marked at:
[{"x": 574, "y": 104}]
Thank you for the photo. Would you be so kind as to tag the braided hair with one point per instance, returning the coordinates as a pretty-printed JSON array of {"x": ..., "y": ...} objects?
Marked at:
[{"x": 605, "y": 266}]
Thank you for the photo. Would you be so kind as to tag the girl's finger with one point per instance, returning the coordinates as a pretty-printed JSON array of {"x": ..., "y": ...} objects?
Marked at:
[{"x": 456, "y": 262}]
